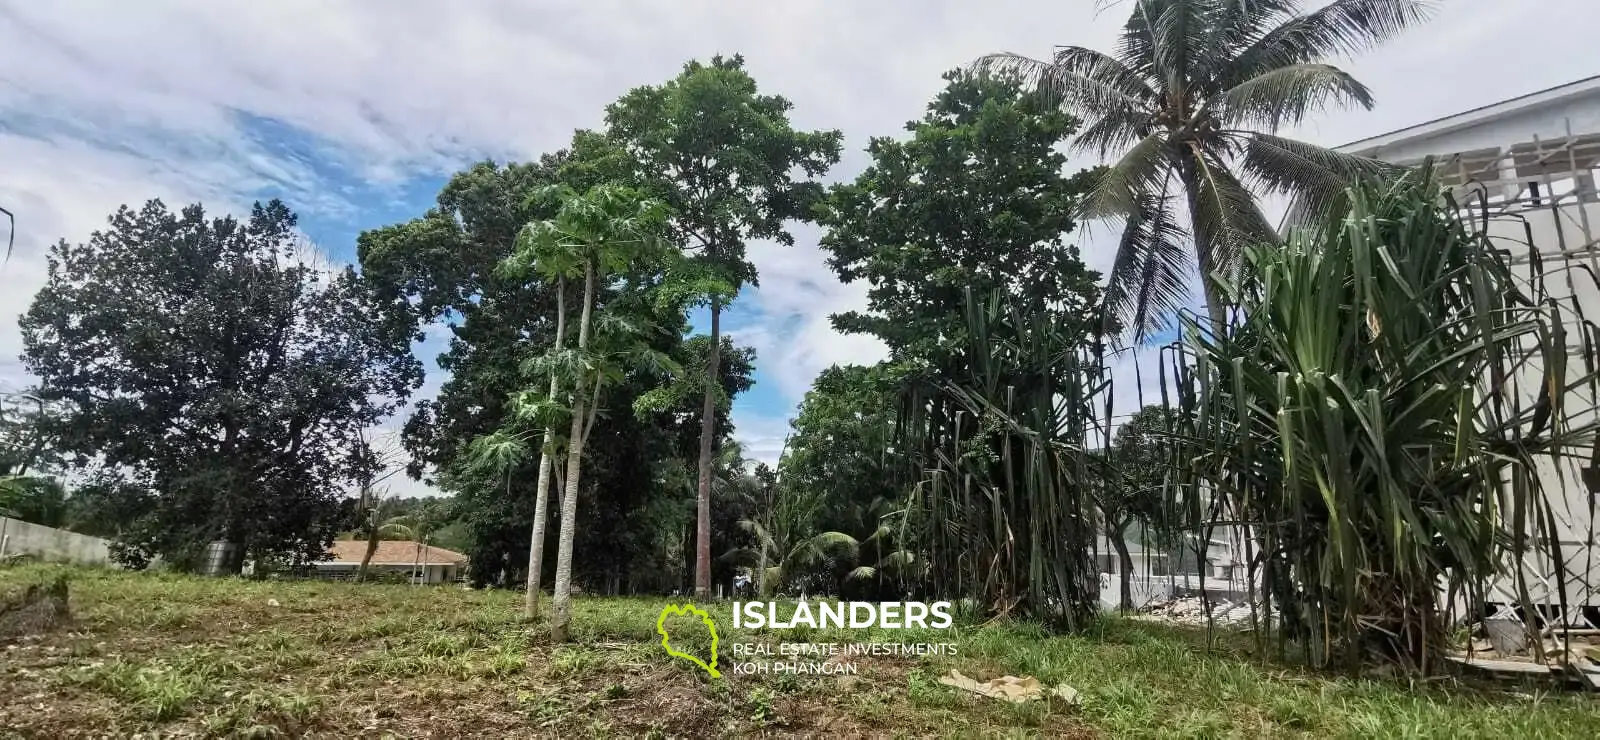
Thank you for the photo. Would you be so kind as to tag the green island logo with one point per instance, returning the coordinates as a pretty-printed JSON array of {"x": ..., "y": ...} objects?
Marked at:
[{"x": 687, "y": 610}]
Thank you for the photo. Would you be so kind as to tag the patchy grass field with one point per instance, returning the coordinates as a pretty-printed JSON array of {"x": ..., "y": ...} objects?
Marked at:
[{"x": 187, "y": 656}]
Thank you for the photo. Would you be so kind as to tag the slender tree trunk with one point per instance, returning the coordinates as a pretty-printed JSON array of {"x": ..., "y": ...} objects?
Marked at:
[
  {"x": 1124, "y": 565},
  {"x": 541, "y": 500},
  {"x": 1202, "y": 247},
  {"x": 372, "y": 547},
  {"x": 569, "y": 497},
  {"x": 708, "y": 433},
  {"x": 761, "y": 571}
]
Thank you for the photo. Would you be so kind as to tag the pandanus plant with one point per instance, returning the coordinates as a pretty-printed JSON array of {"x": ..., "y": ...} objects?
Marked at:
[
  {"x": 1001, "y": 504},
  {"x": 1378, "y": 417}
]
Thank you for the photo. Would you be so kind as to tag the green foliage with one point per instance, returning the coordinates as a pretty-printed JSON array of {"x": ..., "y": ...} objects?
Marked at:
[
  {"x": 451, "y": 263},
  {"x": 1141, "y": 458},
  {"x": 1190, "y": 102},
  {"x": 1003, "y": 510},
  {"x": 1362, "y": 418},
  {"x": 200, "y": 359},
  {"x": 33, "y": 499},
  {"x": 976, "y": 430},
  {"x": 720, "y": 155},
  {"x": 976, "y": 198},
  {"x": 842, "y": 450},
  {"x": 784, "y": 544}
]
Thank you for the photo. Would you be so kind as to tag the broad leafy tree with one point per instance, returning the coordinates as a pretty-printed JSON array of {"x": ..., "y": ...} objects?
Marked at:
[
  {"x": 1189, "y": 105},
  {"x": 976, "y": 198},
  {"x": 723, "y": 157},
  {"x": 203, "y": 359}
]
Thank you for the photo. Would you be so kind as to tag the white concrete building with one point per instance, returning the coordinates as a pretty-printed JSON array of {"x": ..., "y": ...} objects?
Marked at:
[{"x": 1529, "y": 163}]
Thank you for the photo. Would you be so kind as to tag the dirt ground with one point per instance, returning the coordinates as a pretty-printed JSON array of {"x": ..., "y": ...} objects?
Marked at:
[
  {"x": 182, "y": 657},
  {"x": 152, "y": 655}
]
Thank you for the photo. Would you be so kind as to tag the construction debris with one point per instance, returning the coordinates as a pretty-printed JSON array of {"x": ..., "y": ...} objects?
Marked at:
[
  {"x": 1501, "y": 644},
  {"x": 1190, "y": 611},
  {"x": 1008, "y": 688}
]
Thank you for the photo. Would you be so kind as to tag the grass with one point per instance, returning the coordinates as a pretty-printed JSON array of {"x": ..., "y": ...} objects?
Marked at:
[{"x": 154, "y": 653}]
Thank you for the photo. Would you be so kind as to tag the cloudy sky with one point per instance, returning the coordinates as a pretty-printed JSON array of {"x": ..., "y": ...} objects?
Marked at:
[{"x": 355, "y": 112}]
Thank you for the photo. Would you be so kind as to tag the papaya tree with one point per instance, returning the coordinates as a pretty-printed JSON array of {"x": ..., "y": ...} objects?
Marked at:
[{"x": 609, "y": 238}]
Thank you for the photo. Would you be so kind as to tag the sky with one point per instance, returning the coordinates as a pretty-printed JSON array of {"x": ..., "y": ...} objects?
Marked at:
[{"x": 356, "y": 112}]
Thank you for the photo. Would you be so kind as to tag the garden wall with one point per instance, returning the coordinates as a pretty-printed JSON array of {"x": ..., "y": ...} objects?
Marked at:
[{"x": 48, "y": 543}]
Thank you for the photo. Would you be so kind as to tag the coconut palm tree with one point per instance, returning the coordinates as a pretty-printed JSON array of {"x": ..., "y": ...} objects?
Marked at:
[
  {"x": 1190, "y": 104},
  {"x": 784, "y": 543}
]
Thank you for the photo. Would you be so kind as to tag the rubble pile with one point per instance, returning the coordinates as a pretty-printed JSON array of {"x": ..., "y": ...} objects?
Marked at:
[{"x": 1191, "y": 611}]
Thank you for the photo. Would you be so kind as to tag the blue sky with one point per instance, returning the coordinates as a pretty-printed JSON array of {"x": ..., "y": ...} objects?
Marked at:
[{"x": 356, "y": 112}]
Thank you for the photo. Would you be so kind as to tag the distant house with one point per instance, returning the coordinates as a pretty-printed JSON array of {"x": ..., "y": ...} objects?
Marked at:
[{"x": 418, "y": 562}]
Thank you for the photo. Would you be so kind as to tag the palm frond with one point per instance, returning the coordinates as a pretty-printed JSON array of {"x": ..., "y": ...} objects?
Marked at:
[
  {"x": 1226, "y": 218},
  {"x": 1149, "y": 281},
  {"x": 1286, "y": 95},
  {"x": 1095, "y": 65},
  {"x": 11, "y": 233},
  {"x": 1117, "y": 191},
  {"x": 1136, "y": 46},
  {"x": 1176, "y": 39},
  {"x": 1342, "y": 28},
  {"x": 1316, "y": 178},
  {"x": 1113, "y": 132},
  {"x": 1236, "y": 24},
  {"x": 1087, "y": 96}
]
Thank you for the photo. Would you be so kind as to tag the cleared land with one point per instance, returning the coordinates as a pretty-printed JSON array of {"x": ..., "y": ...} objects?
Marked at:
[{"x": 179, "y": 655}]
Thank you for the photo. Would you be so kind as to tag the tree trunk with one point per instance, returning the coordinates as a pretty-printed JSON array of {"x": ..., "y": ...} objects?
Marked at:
[
  {"x": 372, "y": 547},
  {"x": 1202, "y": 246},
  {"x": 541, "y": 500},
  {"x": 1124, "y": 565},
  {"x": 761, "y": 572},
  {"x": 569, "y": 497},
  {"x": 708, "y": 432}
]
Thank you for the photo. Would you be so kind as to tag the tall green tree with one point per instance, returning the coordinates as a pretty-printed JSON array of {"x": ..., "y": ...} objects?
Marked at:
[
  {"x": 445, "y": 267},
  {"x": 976, "y": 198},
  {"x": 721, "y": 156},
  {"x": 1189, "y": 104},
  {"x": 961, "y": 232},
  {"x": 206, "y": 361}
]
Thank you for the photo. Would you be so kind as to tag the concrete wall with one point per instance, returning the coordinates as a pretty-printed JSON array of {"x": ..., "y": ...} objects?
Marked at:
[{"x": 48, "y": 543}]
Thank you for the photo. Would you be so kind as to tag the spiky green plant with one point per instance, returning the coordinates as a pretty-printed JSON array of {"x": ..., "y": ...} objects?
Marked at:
[
  {"x": 1001, "y": 508},
  {"x": 1360, "y": 418}
]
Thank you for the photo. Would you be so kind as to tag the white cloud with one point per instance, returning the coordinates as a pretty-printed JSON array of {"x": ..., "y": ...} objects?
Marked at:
[
  {"x": 104, "y": 102},
  {"x": 762, "y": 437}
]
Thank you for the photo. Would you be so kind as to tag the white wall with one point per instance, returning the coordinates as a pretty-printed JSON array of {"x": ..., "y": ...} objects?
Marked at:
[
  {"x": 1571, "y": 266},
  {"x": 47, "y": 543}
]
